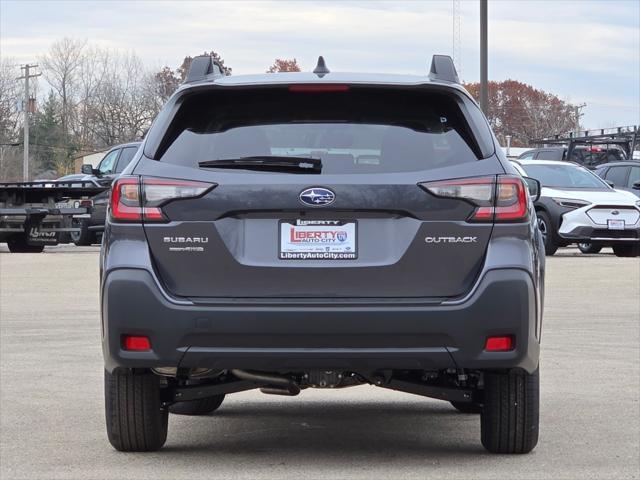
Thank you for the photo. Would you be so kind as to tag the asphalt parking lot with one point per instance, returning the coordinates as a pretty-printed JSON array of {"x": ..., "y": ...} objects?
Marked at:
[{"x": 51, "y": 409}]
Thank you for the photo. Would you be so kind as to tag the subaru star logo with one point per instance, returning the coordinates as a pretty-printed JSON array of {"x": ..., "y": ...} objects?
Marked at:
[{"x": 317, "y": 196}]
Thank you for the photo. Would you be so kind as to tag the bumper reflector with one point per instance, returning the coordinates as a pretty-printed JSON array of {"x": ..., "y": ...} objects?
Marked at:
[
  {"x": 136, "y": 343},
  {"x": 499, "y": 344}
]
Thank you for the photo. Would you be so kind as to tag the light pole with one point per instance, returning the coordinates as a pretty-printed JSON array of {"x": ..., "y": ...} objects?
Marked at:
[{"x": 484, "y": 88}]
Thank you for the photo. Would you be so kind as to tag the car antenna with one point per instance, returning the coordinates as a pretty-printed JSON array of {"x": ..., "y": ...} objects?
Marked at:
[{"x": 321, "y": 68}]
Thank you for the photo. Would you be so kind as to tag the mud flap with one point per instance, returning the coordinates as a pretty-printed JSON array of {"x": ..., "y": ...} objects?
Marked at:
[{"x": 35, "y": 236}]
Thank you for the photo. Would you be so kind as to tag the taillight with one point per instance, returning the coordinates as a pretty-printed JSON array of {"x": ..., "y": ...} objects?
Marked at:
[
  {"x": 86, "y": 203},
  {"x": 134, "y": 199},
  {"x": 125, "y": 200},
  {"x": 511, "y": 200},
  {"x": 500, "y": 199}
]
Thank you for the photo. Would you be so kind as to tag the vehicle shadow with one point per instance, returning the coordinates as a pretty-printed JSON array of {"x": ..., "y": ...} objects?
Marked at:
[
  {"x": 328, "y": 433},
  {"x": 573, "y": 254}
]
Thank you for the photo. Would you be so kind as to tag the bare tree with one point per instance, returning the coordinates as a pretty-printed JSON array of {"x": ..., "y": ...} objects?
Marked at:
[
  {"x": 124, "y": 101},
  {"x": 9, "y": 97},
  {"x": 60, "y": 67},
  {"x": 10, "y": 94},
  {"x": 90, "y": 74},
  {"x": 284, "y": 65}
]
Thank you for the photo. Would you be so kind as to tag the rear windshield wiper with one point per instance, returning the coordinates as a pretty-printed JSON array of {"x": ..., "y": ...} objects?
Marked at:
[{"x": 268, "y": 163}]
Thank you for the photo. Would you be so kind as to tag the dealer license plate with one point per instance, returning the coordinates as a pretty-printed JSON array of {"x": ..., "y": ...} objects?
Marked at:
[
  {"x": 318, "y": 240},
  {"x": 615, "y": 224}
]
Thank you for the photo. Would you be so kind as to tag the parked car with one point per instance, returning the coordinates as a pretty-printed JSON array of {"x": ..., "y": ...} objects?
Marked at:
[
  {"x": 577, "y": 206},
  {"x": 71, "y": 177},
  {"x": 622, "y": 175},
  {"x": 109, "y": 168},
  {"x": 321, "y": 230},
  {"x": 589, "y": 156}
]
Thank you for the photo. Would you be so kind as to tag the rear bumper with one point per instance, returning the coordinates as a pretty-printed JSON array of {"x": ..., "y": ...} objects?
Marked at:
[{"x": 296, "y": 336}]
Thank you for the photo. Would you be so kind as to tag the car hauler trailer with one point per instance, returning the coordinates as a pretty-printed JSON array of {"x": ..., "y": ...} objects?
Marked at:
[{"x": 36, "y": 214}]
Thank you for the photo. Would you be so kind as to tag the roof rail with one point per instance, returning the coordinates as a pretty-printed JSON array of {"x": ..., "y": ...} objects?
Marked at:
[
  {"x": 443, "y": 69},
  {"x": 203, "y": 67}
]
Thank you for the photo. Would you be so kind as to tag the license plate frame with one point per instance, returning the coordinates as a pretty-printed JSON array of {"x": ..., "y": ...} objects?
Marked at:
[
  {"x": 338, "y": 242},
  {"x": 615, "y": 224}
]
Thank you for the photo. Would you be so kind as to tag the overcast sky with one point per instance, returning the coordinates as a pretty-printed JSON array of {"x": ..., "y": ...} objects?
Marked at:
[{"x": 583, "y": 51}]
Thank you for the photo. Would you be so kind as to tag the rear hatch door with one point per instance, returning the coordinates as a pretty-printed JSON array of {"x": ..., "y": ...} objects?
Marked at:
[{"x": 362, "y": 227}]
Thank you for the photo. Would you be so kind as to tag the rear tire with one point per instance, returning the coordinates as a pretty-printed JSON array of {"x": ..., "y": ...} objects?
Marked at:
[
  {"x": 202, "y": 406},
  {"x": 18, "y": 244},
  {"x": 627, "y": 250},
  {"x": 510, "y": 418},
  {"x": 136, "y": 421},
  {"x": 467, "y": 407},
  {"x": 549, "y": 234},
  {"x": 84, "y": 237},
  {"x": 589, "y": 248}
]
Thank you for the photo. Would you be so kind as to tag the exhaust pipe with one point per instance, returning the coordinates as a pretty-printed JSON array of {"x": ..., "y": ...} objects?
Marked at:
[
  {"x": 291, "y": 391},
  {"x": 274, "y": 384}
]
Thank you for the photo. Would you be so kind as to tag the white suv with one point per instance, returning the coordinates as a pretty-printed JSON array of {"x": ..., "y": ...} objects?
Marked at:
[{"x": 577, "y": 206}]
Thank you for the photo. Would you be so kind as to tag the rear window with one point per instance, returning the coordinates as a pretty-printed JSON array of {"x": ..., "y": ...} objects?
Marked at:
[
  {"x": 594, "y": 156},
  {"x": 550, "y": 155},
  {"x": 358, "y": 131},
  {"x": 125, "y": 157}
]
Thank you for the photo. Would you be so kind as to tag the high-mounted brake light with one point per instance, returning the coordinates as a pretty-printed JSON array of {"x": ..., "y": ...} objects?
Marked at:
[
  {"x": 500, "y": 199},
  {"x": 315, "y": 88},
  {"x": 134, "y": 199}
]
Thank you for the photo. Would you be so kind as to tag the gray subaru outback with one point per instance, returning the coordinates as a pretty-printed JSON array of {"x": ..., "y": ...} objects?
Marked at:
[{"x": 321, "y": 230}]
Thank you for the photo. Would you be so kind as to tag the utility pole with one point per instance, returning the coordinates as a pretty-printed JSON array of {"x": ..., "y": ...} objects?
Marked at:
[
  {"x": 577, "y": 109},
  {"x": 484, "y": 78},
  {"x": 25, "y": 110}
]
